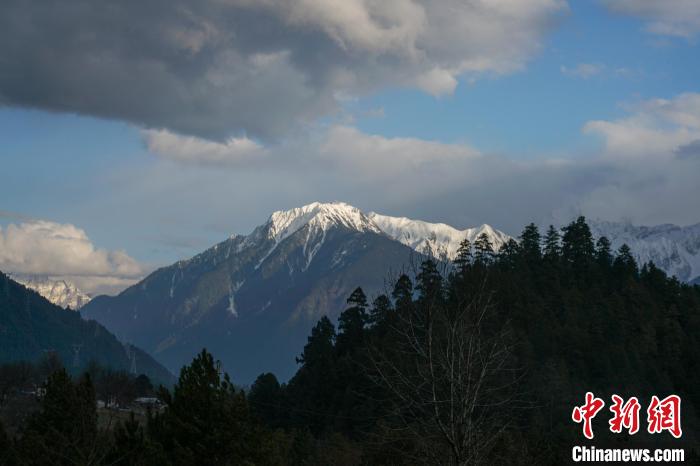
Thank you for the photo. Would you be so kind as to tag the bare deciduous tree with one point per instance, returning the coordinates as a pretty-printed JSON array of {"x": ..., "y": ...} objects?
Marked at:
[{"x": 449, "y": 377}]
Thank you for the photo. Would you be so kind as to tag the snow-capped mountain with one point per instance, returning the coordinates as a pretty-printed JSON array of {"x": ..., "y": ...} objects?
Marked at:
[
  {"x": 674, "y": 249},
  {"x": 262, "y": 291},
  {"x": 438, "y": 240},
  {"x": 58, "y": 291}
]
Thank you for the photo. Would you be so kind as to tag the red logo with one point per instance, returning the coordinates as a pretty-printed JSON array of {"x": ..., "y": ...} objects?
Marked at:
[
  {"x": 665, "y": 415},
  {"x": 624, "y": 415},
  {"x": 662, "y": 415},
  {"x": 587, "y": 412}
]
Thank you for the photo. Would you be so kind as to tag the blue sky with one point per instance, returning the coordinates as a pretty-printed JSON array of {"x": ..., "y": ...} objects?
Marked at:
[{"x": 514, "y": 141}]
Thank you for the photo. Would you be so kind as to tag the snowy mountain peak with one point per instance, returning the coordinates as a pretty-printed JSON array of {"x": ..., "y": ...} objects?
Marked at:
[
  {"x": 435, "y": 239},
  {"x": 674, "y": 249},
  {"x": 321, "y": 216},
  {"x": 60, "y": 292}
]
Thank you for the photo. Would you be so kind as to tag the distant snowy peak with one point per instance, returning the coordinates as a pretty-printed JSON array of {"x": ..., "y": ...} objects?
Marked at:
[
  {"x": 318, "y": 216},
  {"x": 674, "y": 249},
  {"x": 60, "y": 292},
  {"x": 434, "y": 239}
]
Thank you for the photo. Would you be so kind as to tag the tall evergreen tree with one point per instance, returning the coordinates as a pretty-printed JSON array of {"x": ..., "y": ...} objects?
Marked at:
[
  {"x": 552, "y": 243},
  {"x": 380, "y": 312},
  {"x": 464, "y": 256},
  {"x": 577, "y": 243},
  {"x": 530, "y": 243},
  {"x": 603, "y": 252},
  {"x": 352, "y": 322},
  {"x": 403, "y": 292},
  {"x": 206, "y": 417},
  {"x": 429, "y": 281},
  {"x": 483, "y": 250}
]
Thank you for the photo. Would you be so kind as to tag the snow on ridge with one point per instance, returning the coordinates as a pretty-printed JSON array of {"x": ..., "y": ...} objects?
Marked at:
[
  {"x": 672, "y": 248},
  {"x": 322, "y": 216},
  {"x": 436, "y": 239},
  {"x": 60, "y": 292}
]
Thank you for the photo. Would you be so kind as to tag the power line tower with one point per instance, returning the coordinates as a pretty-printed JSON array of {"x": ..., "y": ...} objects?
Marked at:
[{"x": 76, "y": 355}]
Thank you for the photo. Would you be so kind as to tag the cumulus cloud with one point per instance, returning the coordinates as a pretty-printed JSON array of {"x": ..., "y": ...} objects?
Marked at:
[
  {"x": 657, "y": 127},
  {"x": 652, "y": 152},
  {"x": 191, "y": 149},
  {"x": 41, "y": 247},
  {"x": 217, "y": 69},
  {"x": 664, "y": 17}
]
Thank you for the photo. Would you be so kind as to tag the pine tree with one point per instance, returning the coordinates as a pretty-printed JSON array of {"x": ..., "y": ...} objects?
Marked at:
[
  {"x": 509, "y": 253},
  {"x": 624, "y": 263},
  {"x": 530, "y": 243},
  {"x": 352, "y": 322},
  {"x": 266, "y": 398},
  {"x": 380, "y": 312},
  {"x": 403, "y": 292},
  {"x": 483, "y": 250},
  {"x": 603, "y": 255},
  {"x": 207, "y": 417},
  {"x": 429, "y": 281},
  {"x": 464, "y": 256},
  {"x": 64, "y": 430},
  {"x": 577, "y": 243},
  {"x": 552, "y": 246},
  {"x": 320, "y": 344}
]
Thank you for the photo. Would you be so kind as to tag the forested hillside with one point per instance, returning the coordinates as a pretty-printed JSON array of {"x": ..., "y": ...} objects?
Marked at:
[
  {"x": 477, "y": 363},
  {"x": 31, "y": 327}
]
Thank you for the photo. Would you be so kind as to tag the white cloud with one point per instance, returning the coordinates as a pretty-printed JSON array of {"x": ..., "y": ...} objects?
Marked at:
[
  {"x": 374, "y": 156},
  {"x": 190, "y": 149},
  {"x": 63, "y": 250},
  {"x": 583, "y": 70},
  {"x": 664, "y": 17},
  {"x": 646, "y": 171},
  {"x": 656, "y": 127}
]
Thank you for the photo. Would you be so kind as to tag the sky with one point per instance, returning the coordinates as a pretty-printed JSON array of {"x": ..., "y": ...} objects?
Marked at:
[{"x": 135, "y": 134}]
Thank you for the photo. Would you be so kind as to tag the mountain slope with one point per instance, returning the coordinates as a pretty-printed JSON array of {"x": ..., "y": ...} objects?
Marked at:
[
  {"x": 253, "y": 299},
  {"x": 59, "y": 292},
  {"x": 674, "y": 249},
  {"x": 31, "y": 325}
]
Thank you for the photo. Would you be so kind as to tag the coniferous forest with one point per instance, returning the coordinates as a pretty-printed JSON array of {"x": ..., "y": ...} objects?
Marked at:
[{"x": 476, "y": 362}]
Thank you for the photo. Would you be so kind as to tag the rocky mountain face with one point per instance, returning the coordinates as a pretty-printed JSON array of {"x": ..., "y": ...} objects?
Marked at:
[
  {"x": 30, "y": 326},
  {"x": 60, "y": 292},
  {"x": 253, "y": 299},
  {"x": 674, "y": 249}
]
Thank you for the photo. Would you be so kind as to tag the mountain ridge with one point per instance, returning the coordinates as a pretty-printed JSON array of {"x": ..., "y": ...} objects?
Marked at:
[{"x": 262, "y": 292}]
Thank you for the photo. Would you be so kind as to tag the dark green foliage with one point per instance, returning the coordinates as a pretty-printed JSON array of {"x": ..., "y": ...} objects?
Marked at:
[
  {"x": 577, "y": 243},
  {"x": 483, "y": 250},
  {"x": 352, "y": 321},
  {"x": 603, "y": 252},
  {"x": 31, "y": 326},
  {"x": 207, "y": 417},
  {"x": 64, "y": 430},
  {"x": 530, "y": 243},
  {"x": 552, "y": 243},
  {"x": 266, "y": 399},
  {"x": 464, "y": 256}
]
